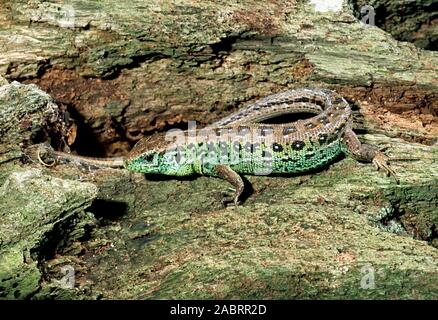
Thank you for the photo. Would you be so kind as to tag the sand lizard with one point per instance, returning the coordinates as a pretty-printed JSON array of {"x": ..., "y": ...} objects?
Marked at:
[{"x": 242, "y": 144}]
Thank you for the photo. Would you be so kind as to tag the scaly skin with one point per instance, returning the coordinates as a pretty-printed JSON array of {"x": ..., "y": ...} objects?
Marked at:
[{"x": 239, "y": 143}]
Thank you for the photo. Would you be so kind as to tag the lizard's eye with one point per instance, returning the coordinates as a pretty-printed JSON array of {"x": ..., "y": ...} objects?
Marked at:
[{"x": 149, "y": 157}]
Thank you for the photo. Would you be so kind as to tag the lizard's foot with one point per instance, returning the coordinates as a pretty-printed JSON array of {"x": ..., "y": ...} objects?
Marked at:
[
  {"x": 226, "y": 200},
  {"x": 368, "y": 153},
  {"x": 230, "y": 196},
  {"x": 381, "y": 161}
]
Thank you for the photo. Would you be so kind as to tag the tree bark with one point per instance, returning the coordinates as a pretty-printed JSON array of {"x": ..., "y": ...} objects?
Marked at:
[{"x": 120, "y": 70}]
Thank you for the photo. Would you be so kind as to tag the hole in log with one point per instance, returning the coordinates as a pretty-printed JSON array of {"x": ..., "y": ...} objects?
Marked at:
[{"x": 107, "y": 211}]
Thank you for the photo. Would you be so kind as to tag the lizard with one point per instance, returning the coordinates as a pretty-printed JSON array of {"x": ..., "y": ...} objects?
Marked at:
[{"x": 242, "y": 143}]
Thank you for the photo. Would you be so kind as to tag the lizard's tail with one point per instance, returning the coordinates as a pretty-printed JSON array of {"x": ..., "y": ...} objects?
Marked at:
[
  {"x": 115, "y": 162},
  {"x": 49, "y": 157}
]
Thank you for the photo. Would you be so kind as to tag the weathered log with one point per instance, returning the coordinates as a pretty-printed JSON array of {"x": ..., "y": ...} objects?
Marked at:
[
  {"x": 33, "y": 206},
  {"x": 126, "y": 69}
]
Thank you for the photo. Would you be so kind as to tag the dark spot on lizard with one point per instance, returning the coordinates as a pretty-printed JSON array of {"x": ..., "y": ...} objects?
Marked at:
[
  {"x": 223, "y": 145},
  {"x": 237, "y": 146},
  {"x": 149, "y": 157},
  {"x": 250, "y": 147},
  {"x": 339, "y": 129},
  {"x": 289, "y": 130},
  {"x": 332, "y": 138},
  {"x": 266, "y": 130},
  {"x": 322, "y": 138},
  {"x": 298, "y": 145},
  {"x": 289, "y": 160},
  {"x": 277, "y": 147},
  {"x": 324, "y": 120},
  {"x": 309, "y": 155},
  {"x": 219, "y": 132},
  {"x": 302, "y": 99}
]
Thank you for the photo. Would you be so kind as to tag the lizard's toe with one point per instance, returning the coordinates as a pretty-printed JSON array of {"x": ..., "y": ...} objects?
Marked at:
[
  {"x": 236, "y": 201},
  {"x": 225, "y": 201},
  {"x": 230, "y": 196},
  {"x": 381, "y": 161},
  {"x": 384, "y": 147},
  {"x": 376, "y": 165}
]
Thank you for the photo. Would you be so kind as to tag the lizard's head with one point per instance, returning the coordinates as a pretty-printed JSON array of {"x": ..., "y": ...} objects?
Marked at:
[{"x": 153, "y": 155}]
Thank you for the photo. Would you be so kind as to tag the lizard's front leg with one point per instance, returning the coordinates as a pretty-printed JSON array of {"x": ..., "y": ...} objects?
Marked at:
[
  {"x": 365, "y": 152},
  {"x": 226, "y": 173}
]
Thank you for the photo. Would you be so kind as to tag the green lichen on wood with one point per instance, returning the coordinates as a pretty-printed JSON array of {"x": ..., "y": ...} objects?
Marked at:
[
  {"x": 27, "y": 115},
  {"x": 3, "y": 81},
  {"x": 192, "y": 32},
  {"x": 25, "y": 112},
  {"x": 31, "y": 205},
  {"x": 283, "y": 250}
]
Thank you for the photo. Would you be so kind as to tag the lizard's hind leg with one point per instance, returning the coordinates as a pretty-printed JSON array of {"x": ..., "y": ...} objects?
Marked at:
[{"x": 226, "y": 173}]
